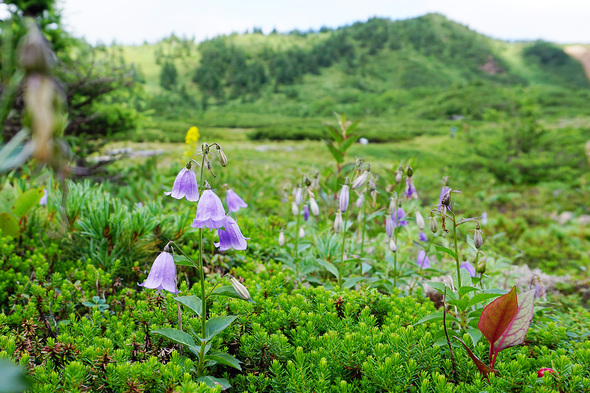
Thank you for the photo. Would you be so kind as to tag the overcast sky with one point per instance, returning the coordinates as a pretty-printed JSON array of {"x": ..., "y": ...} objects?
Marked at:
[{"x": 136, "y": 21}]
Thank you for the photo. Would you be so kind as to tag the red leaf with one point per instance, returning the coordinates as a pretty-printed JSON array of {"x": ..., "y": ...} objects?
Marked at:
[
  {"x": 519, "y": 325},
  {"x": 496, "y": 316},
  {"x": 481, "y": 366}
]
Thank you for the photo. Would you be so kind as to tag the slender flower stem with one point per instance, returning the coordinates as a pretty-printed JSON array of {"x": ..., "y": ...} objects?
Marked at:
[
  {"x": 457, "y": 257},
  {"x": 296, "y": 250},
  {"x": 341, "y": 270},
  {"x": 364, "y": 225},
  {"x": 201, "y": 366},
  {"x": 395, "y": 233}
]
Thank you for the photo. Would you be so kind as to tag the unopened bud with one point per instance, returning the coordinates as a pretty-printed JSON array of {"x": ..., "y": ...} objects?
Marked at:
[
  {"x": 389, "y": 225},
  {"x": 481, "y": 265},
  {"x": 360, "y": 200},
  {"x": 315, "y": 184},
  {"x": 35, "y": 54},
  {"x": 298, "y": 195},
  {"x": 222, "y": 157},
  {"x": 239, "y": 288},
  {"x": 315, "y": 210},
  {"x": 433, "y": 224},
  {"x": 343, "y": 197},
  {"x": 301, "y": 233},
  {"x": 477, "y": 239},
  {"x": 409, "y": 171},
  {"x": 360, "y": 180},
  {"x": 420, "y": 220},
  {"x": 282, "y": 238},
  {"x": 338, "y": 223},
  {"x": 392, "y": 208},
  {"x": 446, "y": 199},
  {"x": 392, "y": 245},
  {"x": 398, "y": 177},
  {"x": 294, "y": 209},
  {"x": 307, "y": 181}
]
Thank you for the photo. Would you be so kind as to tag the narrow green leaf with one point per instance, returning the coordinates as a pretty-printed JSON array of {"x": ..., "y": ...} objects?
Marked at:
[
  {"x": 192, "y": 302},
  {"x": 335, "y": 132},
  {"x": 329, "y": 266},
  {"x": 461, "y": 303},
  {"x": 178, "y": 336},
  {"x": 7, "y": 198},
  {"x": 213, "y": 382},
  {"x": 225, "y": 359},
  {"x": 347, "y": 143},
  {"x": 227, "y": 291},
  {"x": 26, "y": 201},
  {"x": 217, "y": 324},
  {"x": 181, "y": 260},
  {"x": 378, "y": 213},
  {"x": 335, "y": 152},
  {"x": 481, "y": 297},
  {"x": 9, "y": 224},
  {"x": 436, "y": 316},
  {"x": 446, "y": 251},
  {"x": 466, "y": 289},
  {"x": 475, "y": 335},
  {"x": 351, "y": 281}
]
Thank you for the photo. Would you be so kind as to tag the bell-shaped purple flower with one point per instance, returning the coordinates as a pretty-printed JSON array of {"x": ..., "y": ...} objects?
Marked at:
[
  {"x": 185, "y": 185},
  {"x": 162, "y": 274},
  {"x": 234, "y": 202},
  {"x": 210, "y": 212},
  {"x": 469, "y": 267},
  {"x": 231, "y": 237},
  {"x": 400, "y": 219},
  {"x": 423, "y": 237},
  {"x": 306, "y": 212},
  {"x": 422, "y": 261},
  {"x": 411, "y": 192}
]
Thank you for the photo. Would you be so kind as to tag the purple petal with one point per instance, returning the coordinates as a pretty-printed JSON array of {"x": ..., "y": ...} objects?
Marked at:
[
  {"x": 234, "y": 202},
  {"x": 422, "y": 261},
  {"x": 231, "y": 237},
  {"x": 162, "y": 274},
  {"x": 185, "y": 185},
  {"x": 469, "y": 267},
  {"x": 210, "y": 212},
  {"x": 423, "y": 237}
]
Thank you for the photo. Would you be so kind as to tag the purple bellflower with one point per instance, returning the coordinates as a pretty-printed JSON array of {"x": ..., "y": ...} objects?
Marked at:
[
  {"x": 234, "y": 202},
  {"x": 411, "y": 192},
  {"x": 210, "y": 212},
  {"x": 231, "y": 237},
  {"x": 185, "y": 185},
  {"x": 423, "y": 237},
  {"x": 343, "y": 198},
  {"x": 469, "y": 267},
  {"x": 422, "y": 261},
  {"x": 400, "y": 219},
  {"x": 162, "y": 274},
  {"x": 306, "y": 212}
]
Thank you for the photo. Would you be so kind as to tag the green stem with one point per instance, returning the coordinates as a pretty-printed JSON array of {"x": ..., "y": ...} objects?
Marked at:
[
  {"x": 457, "y": 259},
  {"x": 201, "y": 367},
  {"x": 364, "y": 225},
  {"x": 342, "y": 255},
  {"x": 296, "y": 250},
  {"x": 395, "y": 233}
]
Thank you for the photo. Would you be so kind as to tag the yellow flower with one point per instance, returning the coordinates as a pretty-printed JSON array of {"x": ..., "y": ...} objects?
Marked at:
[{"x": 192, "y": 136}]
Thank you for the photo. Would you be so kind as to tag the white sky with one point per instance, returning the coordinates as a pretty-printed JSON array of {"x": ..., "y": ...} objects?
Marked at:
[{"x": 135, "y": 21}]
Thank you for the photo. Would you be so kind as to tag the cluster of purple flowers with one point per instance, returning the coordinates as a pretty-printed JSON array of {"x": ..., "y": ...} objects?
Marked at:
[{"x": 210, "y": 214}]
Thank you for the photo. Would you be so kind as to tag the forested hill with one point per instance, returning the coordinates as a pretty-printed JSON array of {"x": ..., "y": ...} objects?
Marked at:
[{"x": 372, "y": 56}]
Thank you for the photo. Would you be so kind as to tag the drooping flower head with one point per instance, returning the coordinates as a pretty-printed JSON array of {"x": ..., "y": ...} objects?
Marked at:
[
  {"x": 469, "y": 267},
  {"x": 343, "y": 197},
  {"x": 422, "y": 261},
  {"x": 314, "y": 206},
  {"x": 306, "y": 212},
  {"x": 411, "y": 192},
  {"x": 162, "y": 274},
  {"x": 443, "y": 191},
  {"x": 234, "y": 202},
  {"x": 399, "y": 220},
  {"x": 210, "y": 212},
  {"x": 231, "y": 237},
  {"x": 185, "y": 185}
]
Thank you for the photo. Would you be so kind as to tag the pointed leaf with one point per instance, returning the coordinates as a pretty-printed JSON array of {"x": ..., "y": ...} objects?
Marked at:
[
  {"x": 217, "y": 324},
  {"x": 338, "y": 156},
  {"x": 497, "y": 316},
  {"x": 224, "y": 358},
  {"x": 178, "y": 336},
  {"x": 181, "y": 260},
  {"x": 351, "y": 281},
  {"x": 516, "y": 331},
  {"x": 26, "y": 201},
  {"x": 192, "y": 302},
  {"x": 9, "y": 224},
  {"x": 329, "y": 266},
  {"x": 481, "y": 366},
  {"x": 213, "y": 382},
  {"x": 447, "y": 251},
  {"x": 227, "y": 291},
  {"x": 481, "y": 297},
  {"x": 334, "y": 132},
  {"x": 347, "y": 143}
]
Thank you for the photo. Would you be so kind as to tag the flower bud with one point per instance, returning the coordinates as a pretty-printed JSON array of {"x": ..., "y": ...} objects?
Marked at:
[
  {"x": 240, "y": 289},
  {"x": 35, "y": 53},
  {"x": 477, "y": 239},
  {"x": 433, "y": 224},
  {"x": 298, "y": 195},
  {"x": 360, "y": 200},
  {"x": 315, "y": 210},
  {"x": 306, "y": 212},
  {"x": 343, "y": 197},
  {"x": 398, "y": 177},
  {"x": 338, "y": 223},
  {"x": 360, "y": 180},
  {"x": 282, "y": 238},
  {"x": 301, "y": 233},
  {"x": 392, "y": 208},
  {"x": 315, "y": 183},
  {"x": 420, "y": 220},
  {"x": 222, "y": 157},
  {"x": 481, "y": 265},
  {"x": 446, "y": 198},
  {"x": 409, "y": 171},
  {"x": 389, "y": 225},
  {"x": 392, "y": 245},
  {"x": 294, "y": 209}
]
